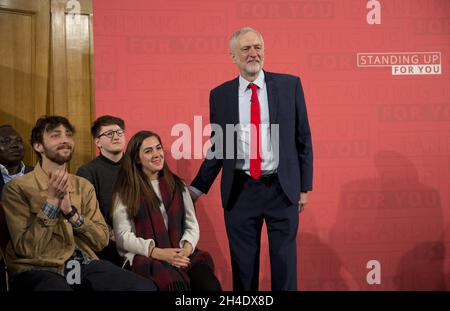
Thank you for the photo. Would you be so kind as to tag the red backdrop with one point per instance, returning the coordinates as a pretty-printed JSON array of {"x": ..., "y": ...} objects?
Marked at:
[{"x": 381, "y": 141}]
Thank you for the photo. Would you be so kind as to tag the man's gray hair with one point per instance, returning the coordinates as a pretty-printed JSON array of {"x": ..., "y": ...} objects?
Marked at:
[{"x": 243, "y": 31}]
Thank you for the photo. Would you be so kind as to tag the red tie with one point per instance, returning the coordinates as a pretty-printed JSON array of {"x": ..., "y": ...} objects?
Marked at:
[{"x": 255, "y": 120}]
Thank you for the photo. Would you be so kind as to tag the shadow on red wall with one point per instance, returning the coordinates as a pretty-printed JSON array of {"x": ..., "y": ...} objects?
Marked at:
[{"x": 395, "y": 219}]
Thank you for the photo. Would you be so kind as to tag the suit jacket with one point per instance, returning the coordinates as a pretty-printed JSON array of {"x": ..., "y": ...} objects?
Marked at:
[
  {"x": 4, "y": 233},
  {"x": 2, "y": 182},
  {"x": 288, "y": 109}
]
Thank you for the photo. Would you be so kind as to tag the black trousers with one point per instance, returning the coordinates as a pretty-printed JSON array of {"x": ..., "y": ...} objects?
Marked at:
[
  {"x": 202, "y": 279},
  {"x": 252, "y": 203},
  {"x": 98, "y": 275},
  {"x": 110, "y": 254}
]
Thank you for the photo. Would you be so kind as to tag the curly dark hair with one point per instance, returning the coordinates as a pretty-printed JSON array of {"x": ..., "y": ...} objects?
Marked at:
[{"x": 48, "y": 123}]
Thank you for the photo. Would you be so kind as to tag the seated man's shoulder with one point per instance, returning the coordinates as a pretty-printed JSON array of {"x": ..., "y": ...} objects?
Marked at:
[
  {"x": 26, "y": 186},
  {"x": 81, "y": 183},
  {"x": 26, "y": 180},
  {"x": 89, "y": 166},
  {"x": 91, "y": 170}
]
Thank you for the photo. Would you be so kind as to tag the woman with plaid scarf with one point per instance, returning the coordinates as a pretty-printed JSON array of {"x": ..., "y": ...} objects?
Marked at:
[{"x": 154, "y": 220}]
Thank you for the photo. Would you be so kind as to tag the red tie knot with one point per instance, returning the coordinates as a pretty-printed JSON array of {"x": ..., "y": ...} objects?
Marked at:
[{"x": 253, "y": 87}]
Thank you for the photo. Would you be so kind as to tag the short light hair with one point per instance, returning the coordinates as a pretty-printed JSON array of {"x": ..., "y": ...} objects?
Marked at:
[{"x": 243, "y": 31}]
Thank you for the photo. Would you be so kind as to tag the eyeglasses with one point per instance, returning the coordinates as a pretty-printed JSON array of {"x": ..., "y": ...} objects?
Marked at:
[{"x": 110, "y": 134}]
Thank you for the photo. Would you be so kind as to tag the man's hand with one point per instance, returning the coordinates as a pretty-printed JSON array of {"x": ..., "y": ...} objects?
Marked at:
[
  {"x": 112, "y": 237},
  {"x": 303, "y": 201},
  {"x": 194, "y": 196},
  {"x": 187, "y": 249},
  {"x": 173, "y": 256},
  {"x": 66, "y": 206},
  {"x": 57, "y": 186}
]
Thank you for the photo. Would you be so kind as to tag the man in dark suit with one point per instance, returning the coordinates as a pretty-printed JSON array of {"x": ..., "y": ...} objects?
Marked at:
[
  {"x": 11, "y": 155},
  {"x": 11, "y": 166},
  {"x": 267, "y": 186}
]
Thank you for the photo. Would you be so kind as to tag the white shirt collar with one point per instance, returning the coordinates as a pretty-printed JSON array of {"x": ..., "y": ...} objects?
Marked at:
[
  {"x": 259, "y": 81},
  {"x": 4, "y": 170}
]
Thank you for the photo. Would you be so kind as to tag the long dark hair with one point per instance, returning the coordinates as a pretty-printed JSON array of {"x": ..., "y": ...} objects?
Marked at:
[{"x": 132, "y": 184}]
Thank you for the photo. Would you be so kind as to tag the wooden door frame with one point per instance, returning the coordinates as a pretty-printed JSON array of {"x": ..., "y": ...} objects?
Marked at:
[{"x": 59, "y": 101}]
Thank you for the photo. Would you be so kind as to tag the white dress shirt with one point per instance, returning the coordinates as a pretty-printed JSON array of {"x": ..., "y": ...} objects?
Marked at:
[{"x": 269, "y": 162}]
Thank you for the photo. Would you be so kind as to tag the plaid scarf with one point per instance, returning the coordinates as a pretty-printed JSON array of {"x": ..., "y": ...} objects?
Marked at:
[{"x": 149, "y": 224}]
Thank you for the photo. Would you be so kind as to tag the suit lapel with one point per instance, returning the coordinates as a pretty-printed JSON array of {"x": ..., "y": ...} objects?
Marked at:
[
  {"x": 2, "y": 183},
  {"x": 233, "y": 100},
  {"x": 232, "y": 113},
  {"x": 272, "y": 97}
]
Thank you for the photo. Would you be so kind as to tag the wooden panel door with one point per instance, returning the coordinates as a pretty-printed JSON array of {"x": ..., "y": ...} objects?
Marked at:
[
  {"x": 24, "y": 65},
  {"x": 46, "y": 67},
  {"x": 72, "y": 72}
]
